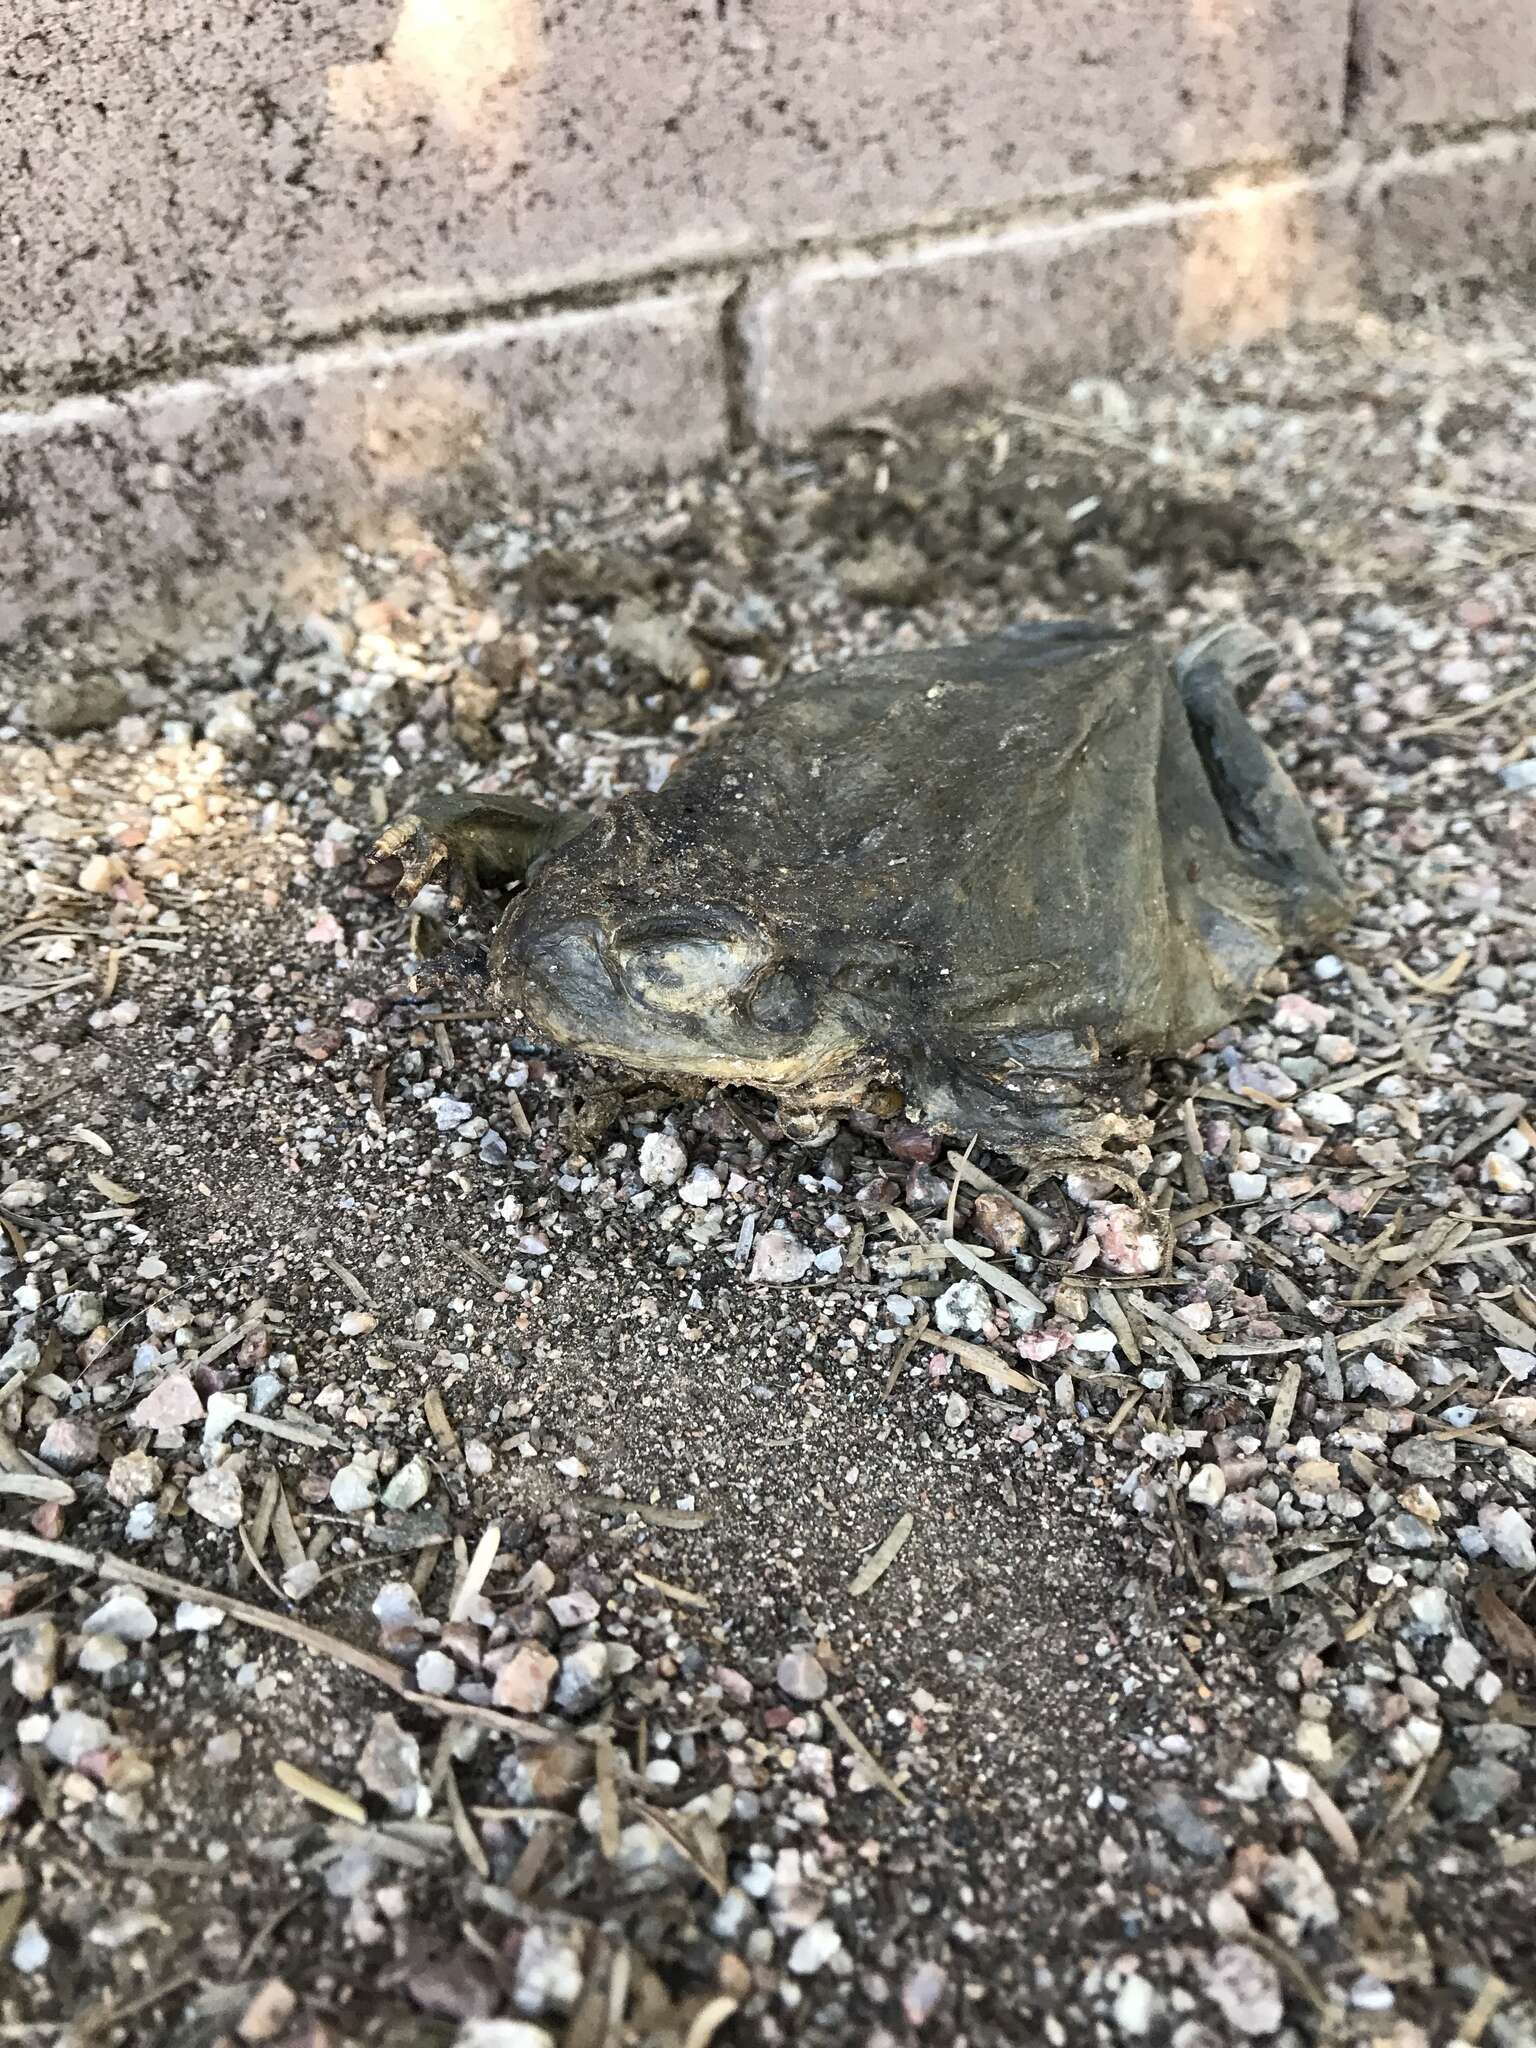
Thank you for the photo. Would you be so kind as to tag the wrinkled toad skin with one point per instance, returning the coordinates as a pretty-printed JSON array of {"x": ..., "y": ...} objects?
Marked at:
[{"x": 993, "y": 879}]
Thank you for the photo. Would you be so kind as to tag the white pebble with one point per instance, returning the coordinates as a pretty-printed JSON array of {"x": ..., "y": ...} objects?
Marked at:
[
  {"x": 435, "y": 1674},
  {"x": 963, "y": 1309},
  {"x": 780, "y": 1259},
  {"x": 352, "y": 1489},
  {"x": 1134, "y": 2005},
  {"x": 128, "y": 1616},
  {"x": 1508, "y": 1534},
  {"x": 1208, "y": 1487},
  {"x": 801, "y": 1676},
  {"x": 74, "y": 1735},
  {"x": 663, "y": 1161},
  {"x": 817, "y": 1945},
  {"x": 193, "y": 1618},
  {"x": 701, "y": 1188},
  {"x": 1503, "y": 1174},
  {"x": 1322, "y": 1106},
  {"x": 31, "y": 1949},
  {"x": 217, "y": 1496},
  {"x": 409, "y": 1485}
]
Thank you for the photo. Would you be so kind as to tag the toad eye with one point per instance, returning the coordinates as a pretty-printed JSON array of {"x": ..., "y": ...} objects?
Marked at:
[
  {"x": 782, "y": 1003},
  {"x": 684, "y": 966}
]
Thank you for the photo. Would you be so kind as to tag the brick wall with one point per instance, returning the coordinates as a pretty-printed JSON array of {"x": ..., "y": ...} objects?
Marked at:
[{"x": 279, "y": 274}]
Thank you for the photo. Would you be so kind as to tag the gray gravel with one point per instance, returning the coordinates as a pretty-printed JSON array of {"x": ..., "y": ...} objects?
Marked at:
[{"x": 1193, "y": 1701}]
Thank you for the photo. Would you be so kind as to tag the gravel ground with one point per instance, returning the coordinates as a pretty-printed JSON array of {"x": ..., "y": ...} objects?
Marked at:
[{"x": 489, "y": 1562}]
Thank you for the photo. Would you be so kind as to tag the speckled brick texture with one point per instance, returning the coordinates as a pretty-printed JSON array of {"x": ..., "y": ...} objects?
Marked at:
[
  {"x": 1465, "y": 210},
  {"x": 1046, "y": 302},
  {"x": 160, "y": 502},
  {"x": 290, "y": 271},
  {"x": 1443, "y": 63},
  {"x": 223, "y": 176}
]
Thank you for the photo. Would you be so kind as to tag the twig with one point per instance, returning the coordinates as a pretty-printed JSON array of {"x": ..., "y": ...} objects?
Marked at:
[{"x": 119, "y": 1571}]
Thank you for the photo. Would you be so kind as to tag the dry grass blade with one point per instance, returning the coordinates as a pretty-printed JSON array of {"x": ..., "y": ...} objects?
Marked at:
[
  {"x": 475, "y": 1264},
  {"x": 1487, "y": 2002},
  {"x": 954, "y": 1192},
  {"x": 36, "y": 1486},
  {"x": 441, "y": 1428},
  {"x": 349, "y": 1280},
  {"x": 1434, "y": 1244},
  {"x": 251, "y": 1559},
  {"x": 1510, "y": 1329},
  {"x": 900, "y": 1356},
  {"x": 228, "y": 1342},
  {"x": 1195, "y": 1184},
  {"x": 463, "y": 1827},
  {"x": 120, "y": 1571},
  {"x": 606, "y": 1775},
  {"x": 869, "y": 1763},
  {"x": 285, "y": 1537},
  {"x": 475, "y": 1577},
  {"x": 703, "y": 1854},
  {"x": 648, "y": 1511},
  {"x": 665, "y": 1587},
  {"x": 880, "y": 1560},
  {"x": 1516, "y": 1638},
  {"x": 995, "y": 1276},
  {"x": 1475, "y": 713},
  {"x": 1397, "y": 1331},
  {"x": 1299, "y": 1575},
  {"x": 107, "y": 2017},
  {"x": 318, "y": 1793},
  {"x": 1285, "y": 1406},
  {"x": 1333, "y": 1823},
  {"x": 977, "y": 1358},
  {"x": 1168, "y": 1326},
  {"x": 974, "y": 1177},
  {"x": 313, "y": 1436},
  {"x": 1262, "y": 1347},
  {"x": 709, "y": 2019},
  {"x": 1508, "y": 1110},
  {"x": 380, "y": 1842},
  {"x": 1125, "y": 1336},
  {"x": 1159, "y": 1338},
  {"x": 255, "y": 1532},
  {"x": 1289, "y": 1966}
]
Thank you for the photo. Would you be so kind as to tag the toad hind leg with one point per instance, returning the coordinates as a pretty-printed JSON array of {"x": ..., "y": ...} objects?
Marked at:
[
  {"x": 474, "y": 842},
  {"x": 1218, "y": 676}
]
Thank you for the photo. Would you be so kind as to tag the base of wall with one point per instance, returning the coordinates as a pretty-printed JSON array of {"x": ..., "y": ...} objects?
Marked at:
[
  {"x": 161, "y": 503},
  {"x": 1047, "y": 300},
  {"x": 143, "y": 510}
]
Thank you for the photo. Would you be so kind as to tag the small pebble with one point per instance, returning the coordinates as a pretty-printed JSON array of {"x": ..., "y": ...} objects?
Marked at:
[
  {"x": 217, "y": 1496},
  {"x": 663, "y": 1162},
  {"x": 802, "y": 1676}
]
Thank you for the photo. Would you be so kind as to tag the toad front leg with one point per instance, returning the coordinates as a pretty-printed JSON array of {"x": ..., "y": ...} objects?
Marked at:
[{"x": 473, "y": 842}]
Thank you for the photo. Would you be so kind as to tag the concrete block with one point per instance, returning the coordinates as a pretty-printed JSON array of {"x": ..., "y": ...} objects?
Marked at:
[
  {"x": 211, "y": 180},
  {"x": 1045, "y": 301},
  {"x": 1442, "y": 63},
  {"x": 170, "y": 498},
  {"x": 1465, "y": 210}
]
